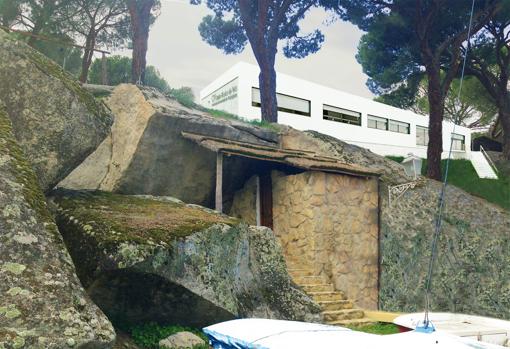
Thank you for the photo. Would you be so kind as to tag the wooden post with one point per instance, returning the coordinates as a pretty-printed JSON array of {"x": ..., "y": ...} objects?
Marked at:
[
  {"x": 257, "y": 202},
  {"x": 219, "y": 182},
  {"x": 266, "y": 200},
  {"x": 104, "y": 72}
]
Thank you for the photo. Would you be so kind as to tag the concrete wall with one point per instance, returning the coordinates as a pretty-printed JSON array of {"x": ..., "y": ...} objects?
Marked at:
[
  {"x": 379, "y": 141},
  {"x": 328, "y": 223}
]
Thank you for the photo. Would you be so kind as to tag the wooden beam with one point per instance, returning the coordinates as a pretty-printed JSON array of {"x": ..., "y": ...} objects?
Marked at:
[{"x": 219, "y": 182}]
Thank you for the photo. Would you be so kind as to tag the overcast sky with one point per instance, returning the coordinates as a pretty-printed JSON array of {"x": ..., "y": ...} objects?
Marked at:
[{"x": 183, "y": 59}]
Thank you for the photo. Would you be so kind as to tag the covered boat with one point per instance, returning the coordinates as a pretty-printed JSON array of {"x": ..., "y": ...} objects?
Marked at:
[
  {"x": 483, "y": 329},
  {"x": 280, "y": 334}
]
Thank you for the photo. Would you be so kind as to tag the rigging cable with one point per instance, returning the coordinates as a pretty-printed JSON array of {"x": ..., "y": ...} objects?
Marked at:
[{"x": 426, "y": 321}]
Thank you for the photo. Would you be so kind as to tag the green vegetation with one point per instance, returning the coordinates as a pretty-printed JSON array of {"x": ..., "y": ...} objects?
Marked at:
[
  {"x": 149, "y": 335},
  {"x": 377, "y": 328},
  {"x": 462, "y": 175},
  {"x": 224, "y": 115}
]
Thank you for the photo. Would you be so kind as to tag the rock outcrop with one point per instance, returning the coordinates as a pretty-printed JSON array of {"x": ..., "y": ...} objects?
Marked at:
[
  {"x": 157, "y": 259},
  {"x": 42, "y": 304},
  {"x": 146, "y": 154},
  {"x": 56, "y": 122},
  {"x": 181, "y": 340},
  {"x": 392, "y": 172},
  {"x": 472, "y": 269}
]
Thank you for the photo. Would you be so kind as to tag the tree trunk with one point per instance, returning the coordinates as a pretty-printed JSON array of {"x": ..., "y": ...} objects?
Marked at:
[
  {"x": 87, "y": 57},
  {"x": 267, "y": 84},
  {"x": 140, "y": 12},
  {"x": 435, "y": 146},
  {"x": 504, "y": 119},
  {"x": 35, "y": 31}
]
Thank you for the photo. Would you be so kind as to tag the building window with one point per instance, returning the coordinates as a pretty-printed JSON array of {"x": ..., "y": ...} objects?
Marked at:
[
  {"x": 287, "y": 104},
  {"x": 422, "y": 135},
  {"x": 458, "y": 142},
  {"x": 377, "y": 122},
  {"x": 341, "y": 115},
  {"x": 400, "y": 127}
]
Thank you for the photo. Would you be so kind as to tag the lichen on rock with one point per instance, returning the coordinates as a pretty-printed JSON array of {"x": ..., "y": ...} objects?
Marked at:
[
  {"x": 472, "y": 270},
  {"x": 204, "y": 260},
  {"x": 37, "y": 280}
]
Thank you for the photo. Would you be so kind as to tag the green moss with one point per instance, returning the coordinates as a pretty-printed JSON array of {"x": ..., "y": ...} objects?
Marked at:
[
  {"x": 23, "y": 171},
  {"x": 113, "y": 219}
]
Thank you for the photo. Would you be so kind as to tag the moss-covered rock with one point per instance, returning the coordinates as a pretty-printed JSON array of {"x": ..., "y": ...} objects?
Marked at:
[
  {"x": 187, "y": 264},
  {"x": 56, "y": 122},
  {"x": 42, "y": 304}
]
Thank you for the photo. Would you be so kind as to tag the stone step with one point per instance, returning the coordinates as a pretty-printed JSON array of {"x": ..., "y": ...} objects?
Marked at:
[
  {"x": 300, "y": 272},
  {"x": 308, "y": 280},
  {"x": 335, "y": 305},
  {"x": 318, "y": 288},
  {"x": 345, "y": 314},
  {"x": 327, "y": 296},
  {"x": 351, "y": 322}
]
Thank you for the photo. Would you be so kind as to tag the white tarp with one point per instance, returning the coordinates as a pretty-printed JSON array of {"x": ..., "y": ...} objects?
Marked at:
[{"x": 279, "y": 334}]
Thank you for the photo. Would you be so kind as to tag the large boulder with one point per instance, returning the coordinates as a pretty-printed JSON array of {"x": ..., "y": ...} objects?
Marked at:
[
  {"x": 42, "y": 304},
  {"x": 146, "y": 153},
  {"x": 472, "y": 269},
  {"x": 148, "y": 259},
  {"x": 56, "y": 122}
]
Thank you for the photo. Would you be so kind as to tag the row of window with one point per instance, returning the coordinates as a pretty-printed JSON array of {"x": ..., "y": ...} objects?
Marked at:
[
  {"x": 285, "y": 103},
  {"x": 422, "y": 138},
  {"x": 300, "y": 106}
]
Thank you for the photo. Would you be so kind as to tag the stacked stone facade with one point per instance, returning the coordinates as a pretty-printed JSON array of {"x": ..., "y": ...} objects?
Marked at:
[{"x": 326, "y": 222}]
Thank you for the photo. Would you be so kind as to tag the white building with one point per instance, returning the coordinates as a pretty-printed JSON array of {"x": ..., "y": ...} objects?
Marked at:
[{"x": 304, "y": 105}]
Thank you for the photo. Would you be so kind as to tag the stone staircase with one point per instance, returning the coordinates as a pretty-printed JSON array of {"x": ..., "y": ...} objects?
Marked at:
[{"x": 336, "y": 308}]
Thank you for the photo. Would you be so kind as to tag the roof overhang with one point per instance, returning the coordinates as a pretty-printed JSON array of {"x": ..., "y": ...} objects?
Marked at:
[{"x": 306, "y": 160}]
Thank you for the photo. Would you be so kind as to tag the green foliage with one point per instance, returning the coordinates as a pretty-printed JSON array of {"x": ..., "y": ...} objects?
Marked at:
[
  {"x": 118, "y": 70},
  {"x": 377, "y": 328},
  {"x": 9, "y": 11},
  {"x": 66, "y": 56},
  {"x": 398, "y": 159},
  {"x": 184, "y": 95},
  {"x": 149, "y": 335},
  {"x": 462, "y": 175}
]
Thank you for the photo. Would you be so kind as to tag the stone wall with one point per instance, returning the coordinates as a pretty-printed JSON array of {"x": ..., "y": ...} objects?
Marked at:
[{"x": 328, "y": 223}]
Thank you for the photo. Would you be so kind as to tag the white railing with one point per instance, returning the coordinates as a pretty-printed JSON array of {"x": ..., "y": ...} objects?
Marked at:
[
  {"x": 396, "y": 191},
  {"x": 491, "y": 163}
]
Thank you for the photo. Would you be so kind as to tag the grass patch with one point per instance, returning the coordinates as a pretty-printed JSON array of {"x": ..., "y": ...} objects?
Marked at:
[
  {"x": 377, "y": 328},
  {"x": 463, "y": 175},
  {"x": 227, "y": 116},
  {"x": 149, "y": 335}
]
